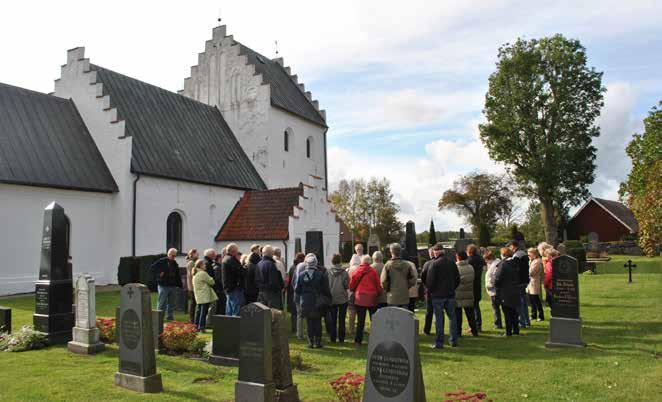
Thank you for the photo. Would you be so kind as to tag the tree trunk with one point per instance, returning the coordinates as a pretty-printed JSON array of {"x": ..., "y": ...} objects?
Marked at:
[{"x": 549, "y": 220}]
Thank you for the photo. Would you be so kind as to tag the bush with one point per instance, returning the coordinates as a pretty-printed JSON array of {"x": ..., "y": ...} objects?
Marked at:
[
  {"x": 24, "y": 339},
  {"x": 179, "y": 337},
  {"x": 349, "y": 387},
  {"x": 198, "y": 348},
  {"x": 107, "y": 330}
]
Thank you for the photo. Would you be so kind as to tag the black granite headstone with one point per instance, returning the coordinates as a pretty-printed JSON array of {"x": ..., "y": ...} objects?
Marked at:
[
  {"x": 315, "y": 245},
  {"x": 225, "y": 344},
  {"x": 286, "y": 390},
  {"x": 565, "y": 327},
  {"x": 137, "y": 360},
  {"x": 411, "y": 250},
  {"x": 255, "y": 382},
  {"x": 5, "y": 319},
  {"x": 54, "y": 315}
]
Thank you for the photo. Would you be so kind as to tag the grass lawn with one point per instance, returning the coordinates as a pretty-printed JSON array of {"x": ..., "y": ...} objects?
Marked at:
[{"x": 623, "y": 360}]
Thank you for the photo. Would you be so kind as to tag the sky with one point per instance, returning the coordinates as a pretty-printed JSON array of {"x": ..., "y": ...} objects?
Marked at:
[{"x": 403, "y": 83}]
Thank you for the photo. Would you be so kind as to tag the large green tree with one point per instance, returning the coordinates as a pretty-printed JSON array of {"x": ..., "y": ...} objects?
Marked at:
[
  {"x": 481, "y": 198},
  {"x": 643, "y": 189},
  {"x": 541, "y": 107}
]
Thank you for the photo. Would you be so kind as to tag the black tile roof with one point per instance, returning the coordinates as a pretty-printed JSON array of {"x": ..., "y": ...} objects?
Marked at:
[
  {"x": 177, "y": 137},
  {"x": 44, "y": 142},
  {"x": 285, "y": 94}
]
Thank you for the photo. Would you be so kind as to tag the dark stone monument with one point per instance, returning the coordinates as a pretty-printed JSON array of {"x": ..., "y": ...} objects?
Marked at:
[
  {"x": 255, "y": 383},
  {"x": 315, "y": 245},
  {"x": 286, "y": 390},
  {"x": 158, "y": 316},
  {"x": 393, "y": 369},
  {"x": 137, "y": 365},
  {"x": 85, "y": 334},
  {"x": 462, "y": 243},
  {"x": 462, "y": 233},
  {"x": 225, "y": 343},
  {"x": 5, "y": 319},
  {"x": 565, "y": 326},
  {"x": 54, "y": 315},
  {"x": 411, "y": 250}
]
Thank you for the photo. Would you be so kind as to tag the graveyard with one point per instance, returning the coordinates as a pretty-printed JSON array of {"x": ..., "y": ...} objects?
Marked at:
[{"x": 622, "y": 329}]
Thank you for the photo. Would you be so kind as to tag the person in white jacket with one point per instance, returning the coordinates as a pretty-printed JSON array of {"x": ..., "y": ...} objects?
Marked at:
[{"x": 492, "y": 269}]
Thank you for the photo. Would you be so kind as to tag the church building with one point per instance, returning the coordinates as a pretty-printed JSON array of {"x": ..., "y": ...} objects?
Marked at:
[{"x": 238, "y": 155}]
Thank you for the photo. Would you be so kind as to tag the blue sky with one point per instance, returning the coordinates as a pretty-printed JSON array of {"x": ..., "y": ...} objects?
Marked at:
[{"x": 403, "y": 83}]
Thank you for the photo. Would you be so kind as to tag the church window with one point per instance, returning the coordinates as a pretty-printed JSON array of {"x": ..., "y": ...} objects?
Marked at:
[
  {"x": 286, "y": 139},
  {"x": 174, "y": 231},
  {"x": 308, "y": 147}
]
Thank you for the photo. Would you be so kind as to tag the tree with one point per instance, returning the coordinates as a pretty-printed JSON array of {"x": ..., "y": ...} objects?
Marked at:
[
  {"x": 432, "y": 240},
  {"x": 540, "y": 107},
  {"x": 532, "y": 227},
  {"x": 481, "y": 198},
  {"x": 642, "y": 190}
]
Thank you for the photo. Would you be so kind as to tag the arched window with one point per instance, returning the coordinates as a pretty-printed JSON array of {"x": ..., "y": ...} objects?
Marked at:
[
  {"x": 174, "y": 231},
  {"x": 308, "y": 147},
  {"x": 286, "y": 141}
]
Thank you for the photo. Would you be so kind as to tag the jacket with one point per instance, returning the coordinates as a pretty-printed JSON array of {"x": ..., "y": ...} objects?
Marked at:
[
  {"x": 310, "y": 287},
  {"x": 464, "y": 293},
  {"x": 507, "y": 283},
  {"x": 478, "y": 263},
  {"x": 338, "y": 284},
  {"x": 267, "y": 276},
  {"x": 490, "y": 276},
  {"x": 396, "y": 280},
  {"x": 233, "y": 274},
  {"x": 251, "y": 269},
  {"x": 424, "y": 275},
  {"x": 522, "y": 262},
  {"x": 190, "y": 265},
  {"x": 442, "y": 278},
  {"x": 203, "y": 285},
  {"x": 289, "y": 282},
  {"x": 413, "y": 291},
  {"x": 366, "y": 286},
  {"x": 379, "y": 267},
  {"x": 535, "y": 274},
  {"x": 548, "y": 274},
  {"x": 168, "y": 272}
]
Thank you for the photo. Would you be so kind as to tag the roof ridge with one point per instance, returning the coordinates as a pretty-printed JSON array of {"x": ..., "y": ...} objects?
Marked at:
[{"x": 34, "y": 92}]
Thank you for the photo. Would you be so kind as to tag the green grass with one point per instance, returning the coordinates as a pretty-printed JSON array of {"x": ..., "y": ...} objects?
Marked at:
[{"x": 622, "y": 362}]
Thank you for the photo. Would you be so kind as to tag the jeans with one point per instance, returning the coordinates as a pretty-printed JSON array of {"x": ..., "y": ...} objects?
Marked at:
[
  {"x": 469, "y": 312},
  {"x": 166, "y": 301},
  {"x": 235, "y": 300},
  {"x": 429, "y": 314},
  {"x": 201, "y": 316},
  {"x": 191, "y": 307},
  {"x": 536, "y": 307},
  {"x": 300, "y": 322},
  {"x": 496, "y": 310},
  {"x": 439, "y": 306},
  {"x": 523, "y": 310},
  {"x": 336, "y": 319},
  {"x": 512, "y": 323},
  {"x": 360, "y": 325},
  {"x": 478, "y": 316}
]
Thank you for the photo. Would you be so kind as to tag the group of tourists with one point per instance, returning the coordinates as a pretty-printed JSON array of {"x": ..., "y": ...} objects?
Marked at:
[{"x": 342, "y": 298}]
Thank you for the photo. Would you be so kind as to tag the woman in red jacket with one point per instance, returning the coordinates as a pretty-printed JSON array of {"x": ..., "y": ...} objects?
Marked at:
[
  {"x": 550, "y": 254},
  {"x": 367, "y": 287}
]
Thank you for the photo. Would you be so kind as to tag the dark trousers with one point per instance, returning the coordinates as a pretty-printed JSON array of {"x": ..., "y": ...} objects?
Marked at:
[
  {"x": 478, "y": 316},
  {"x": 412, "y": 304},
  {"x": 523, "y": 310},
  {"x": 314, "y": 328},
  {"x": 469, "y": 312},
  {"x": 429, "y": 315},
  {"x": 293, "y": 320},
  {"x": 536, "y": 307},
  {"x": 336, "y": 319},
  {"x": 360, "y": 325},
  {"x": 548, "y": 297},
  {"x": 201, "y": 316},
  {"x": 251, "y": 298},
  {"x": 512, "y": 320},
  {"x": 191, "y": 307},
  {"x": 496, "y": 310}
]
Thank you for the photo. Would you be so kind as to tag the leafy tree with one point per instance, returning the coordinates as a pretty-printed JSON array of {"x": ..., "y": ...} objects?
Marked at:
[
  {"x": 643, "y": 189},
  {"x": 532, "y": 227},
  {"x": 540, "y": 107},
  {"x": 481, "y": 198},
  {"x": 432, "y": 240}
]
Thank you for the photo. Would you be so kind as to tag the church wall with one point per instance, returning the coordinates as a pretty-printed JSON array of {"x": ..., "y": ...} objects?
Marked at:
[{"x": 91, "y": 217}]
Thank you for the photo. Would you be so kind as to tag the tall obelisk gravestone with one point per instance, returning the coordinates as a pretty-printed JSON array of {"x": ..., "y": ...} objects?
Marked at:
[
  {"x": 565, "y": 326},
  {"x": 53, "y": 291},
  {"x": 85, "y": 333},
  {"x": 137, "y": 369}
]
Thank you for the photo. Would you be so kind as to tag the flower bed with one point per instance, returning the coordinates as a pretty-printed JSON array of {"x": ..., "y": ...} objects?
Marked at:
[
  {"x": 107, "y": 330},
  {"x": 348, "y": 387},
  {"x": 24, "y": 339},
  {"x": 180, "y": 337}
]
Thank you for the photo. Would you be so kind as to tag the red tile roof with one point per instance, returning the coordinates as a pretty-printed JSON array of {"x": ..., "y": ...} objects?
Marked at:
[{"x": 261, "y": 215}]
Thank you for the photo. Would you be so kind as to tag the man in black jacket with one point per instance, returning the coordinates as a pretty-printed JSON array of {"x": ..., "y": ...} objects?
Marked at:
[
  {"x": 521, "y": 259},
  {"x": 506, "y": 284},
  {"x": 251, "y": 269},
  {"x": 269, "y": 281},
  {"x": 478, "y": 264},
  {"x": 233, "y": 280},
  {"x": 429, "y": 311},
  {"x": 441, "y": 281},
  {"x": 168, "y": 281}
]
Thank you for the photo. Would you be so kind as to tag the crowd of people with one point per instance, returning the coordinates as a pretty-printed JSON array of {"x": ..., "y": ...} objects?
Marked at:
[{"x": 342, "y": 298}]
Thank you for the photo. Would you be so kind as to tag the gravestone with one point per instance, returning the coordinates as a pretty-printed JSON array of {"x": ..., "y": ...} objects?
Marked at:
[
  {"x": 5, "y": 319},
  {"x": 286, "y": 390},
  {"x": 411, "y": 249},
  {"x": 593, "y": 247},
  {"x": 54, "y": 315},
  {"x": 393, "y": 368},
  {"x": 137, "y": 363},
  {"x": 315, "y": 245},
  {"x": 255, "y": 383},
  {"x": 462, "y": 243},
  {"x": 225, "y": 343},
  {"x": 158, "y": 316},
  {"x": 374, "y": 244},
  {"x": 565, "y": 326},
  {"x": 85, "y": 334}
]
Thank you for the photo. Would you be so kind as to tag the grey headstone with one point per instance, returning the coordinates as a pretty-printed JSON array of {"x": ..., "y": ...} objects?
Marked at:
[
  {"x": 137, "y": 360},
  {"x": 54, "y": 316},
  {"x": 158, "y": 316},
  {"x": 255, "y": 382},
  {"x": 5, "y": 319},
  {"x": 393, "y": 367},
  {"x": 282, "y": 367},
  {"x": 225, "y": 342},
  {"x": 565, "y": 327},
  {"x": 85, "y": 334}
]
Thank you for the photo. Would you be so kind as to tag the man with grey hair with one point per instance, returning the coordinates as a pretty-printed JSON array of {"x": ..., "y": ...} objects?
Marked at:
[
  {"x": 233, "y": 280},
  {"x": 397, "y": 278},
  {"x": 269, "y": 282},
  {"x": 168, "y": 280}
]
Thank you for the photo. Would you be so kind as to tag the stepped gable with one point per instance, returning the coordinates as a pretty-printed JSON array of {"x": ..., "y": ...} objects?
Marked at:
[
  {"x": 44, "y": 142},
  {"x": 176, "y": 137},
  {"x": 261, "y": 215}
]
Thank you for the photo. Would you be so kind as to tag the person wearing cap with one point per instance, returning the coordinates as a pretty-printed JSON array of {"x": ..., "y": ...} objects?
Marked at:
[{"x": 310, "y": 288}]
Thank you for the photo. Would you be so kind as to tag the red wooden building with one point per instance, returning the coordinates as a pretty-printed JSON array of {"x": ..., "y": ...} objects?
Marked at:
[{"x": 611, "y": 220}]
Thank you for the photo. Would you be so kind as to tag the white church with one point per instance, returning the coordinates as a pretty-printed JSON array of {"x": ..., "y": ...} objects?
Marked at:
[{"x": 238, "y": 155}]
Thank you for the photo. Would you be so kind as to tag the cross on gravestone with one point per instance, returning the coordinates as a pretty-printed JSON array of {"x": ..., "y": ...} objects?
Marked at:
[
  {"x": 137, "y": 360},
  {"x": 565, "y": 326},
  {"x": 85, "y": 334},
  {"x": 629, "y": 266}
]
